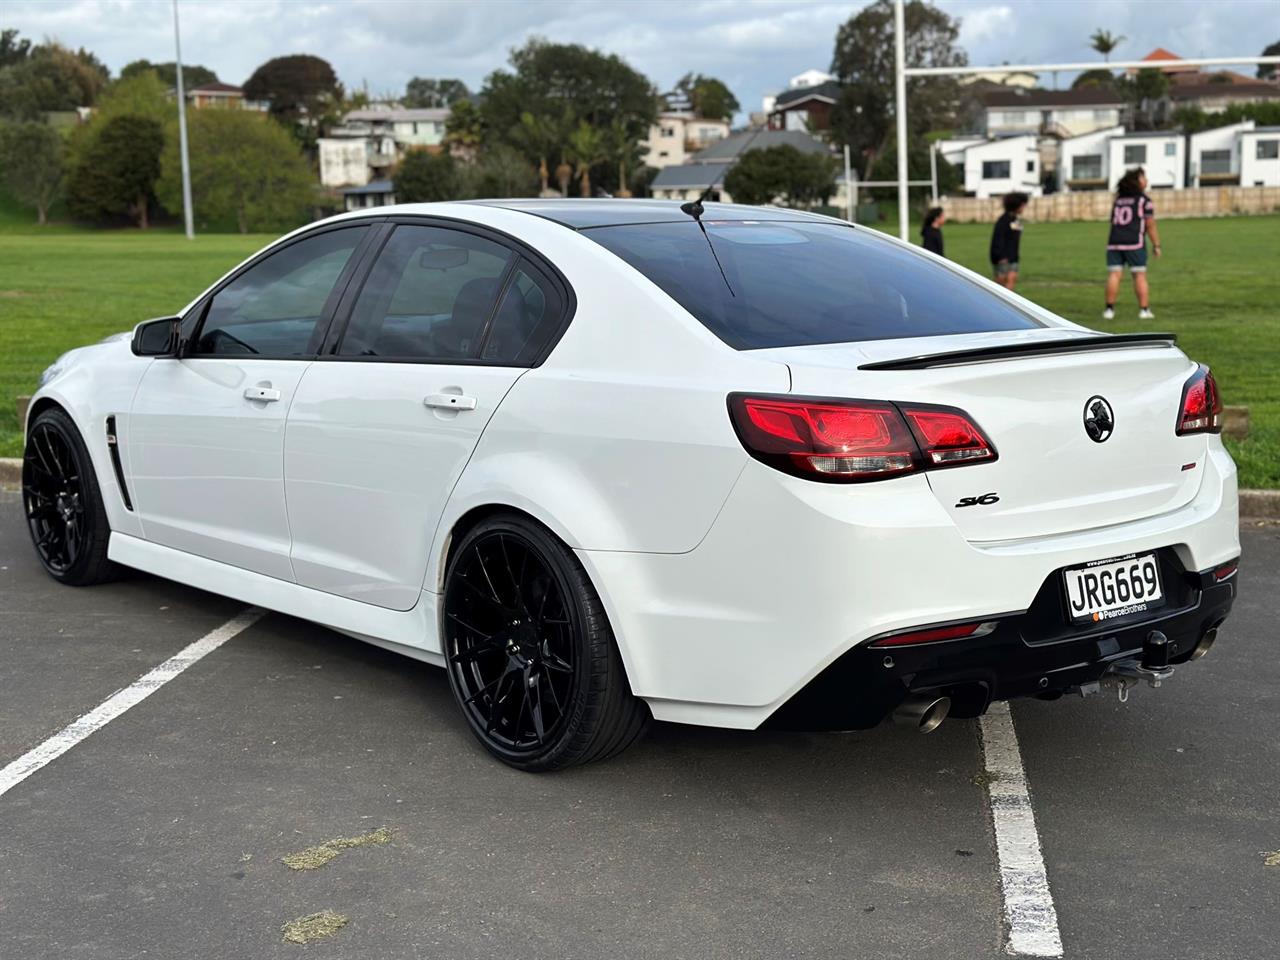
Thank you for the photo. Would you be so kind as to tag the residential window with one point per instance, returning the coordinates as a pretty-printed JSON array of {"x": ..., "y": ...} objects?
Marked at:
[
  {"x": 1170, "y": 149},
  {"x": 1135, "y": 153},
  {"x": 1102, "y": 114},
  {"x": 1031, "y": 166},
  {"x": 668, "y": 131},
  {"x": 1215, "y": 161},
  {"x": 1087, "y": 167},
  {"x": 1268, "y": 150},
  {"x": 995, "y": 169}
]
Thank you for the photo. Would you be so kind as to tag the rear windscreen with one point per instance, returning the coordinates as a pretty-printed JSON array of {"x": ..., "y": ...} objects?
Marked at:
[{"x": 784, "y": 284}]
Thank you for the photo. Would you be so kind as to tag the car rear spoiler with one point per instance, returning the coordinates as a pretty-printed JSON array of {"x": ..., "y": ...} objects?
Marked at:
[{"x": 1036, "y": 349}]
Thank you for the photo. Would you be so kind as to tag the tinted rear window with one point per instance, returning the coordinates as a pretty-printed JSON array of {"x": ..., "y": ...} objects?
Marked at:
[{"x": 797, "y": 283}]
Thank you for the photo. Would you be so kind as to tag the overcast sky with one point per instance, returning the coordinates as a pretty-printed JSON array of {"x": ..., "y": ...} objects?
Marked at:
[{"x": 753, "y": 45}]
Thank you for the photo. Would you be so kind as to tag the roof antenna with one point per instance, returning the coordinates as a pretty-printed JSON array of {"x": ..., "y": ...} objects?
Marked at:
[{"x": 694, "y": 208}]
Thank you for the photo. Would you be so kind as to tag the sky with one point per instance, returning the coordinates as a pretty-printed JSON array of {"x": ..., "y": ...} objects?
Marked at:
[{"x": 755, "y": 46}]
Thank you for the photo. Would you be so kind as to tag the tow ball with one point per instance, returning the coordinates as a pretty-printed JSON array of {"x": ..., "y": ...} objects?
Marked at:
[{"x": 1153, "y": 667}]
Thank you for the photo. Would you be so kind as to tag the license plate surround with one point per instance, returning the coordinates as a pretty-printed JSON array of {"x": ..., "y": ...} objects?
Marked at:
[{"x": 1083, "y": 606}]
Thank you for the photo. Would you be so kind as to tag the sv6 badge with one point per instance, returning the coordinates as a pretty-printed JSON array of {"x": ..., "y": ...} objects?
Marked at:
[{"x": 983, "y": 500}]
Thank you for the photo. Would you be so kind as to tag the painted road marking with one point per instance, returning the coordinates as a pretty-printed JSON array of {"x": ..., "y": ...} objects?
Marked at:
[
  {"x": 122, "y": 700},
  {"x": 1028, "y": 905}
]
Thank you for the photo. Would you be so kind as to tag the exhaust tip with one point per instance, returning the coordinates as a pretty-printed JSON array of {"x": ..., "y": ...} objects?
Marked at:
[
  {"x": 925, "y": 713},
  {"x": 1207, "y": 641}
]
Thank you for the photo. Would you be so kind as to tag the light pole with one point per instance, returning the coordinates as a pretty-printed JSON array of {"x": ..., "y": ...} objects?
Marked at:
[
  {"x": 187, "y": 216},
  {"x": 900, "y": 85}
]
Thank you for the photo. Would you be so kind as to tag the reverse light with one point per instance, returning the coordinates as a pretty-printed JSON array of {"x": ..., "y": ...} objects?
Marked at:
[
  {"x": 1201, "y": 410},
  {"x": 854, "y": 441},
  {"x": 934, "y": 634}
]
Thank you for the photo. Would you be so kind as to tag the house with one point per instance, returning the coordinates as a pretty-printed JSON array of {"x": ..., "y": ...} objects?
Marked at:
[
  {"x": 1161, "y": 154},
  {"x": 709, "y": 167},
  {"x": 804, "y": 108},
  {"x": 1060, "y": 113},
  {"x": 1015, "y": 78},
  {"x": 1260, "y": 157},
  {"x": 379, "y": 193},
  {"x": 224, "y": 95},
  {"x": 677, "y": 134},
  {"x": 1213, "y": 156},
  {"x": 1084, "y": 161},
  {"x": 380, "y": 135},
  {"x": 1157, "y": 58},
  {"x": 801, "y": 81},
  {"x": 993, "y": 168},
  {"x": 1215, "y": 92}
]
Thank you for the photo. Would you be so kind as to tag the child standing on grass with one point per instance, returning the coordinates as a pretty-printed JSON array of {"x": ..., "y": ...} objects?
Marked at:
[
  {"x": 1006, "y": 237},
  {"x": 931, "y": 234},
  {"x": 1133, "y": 216}
]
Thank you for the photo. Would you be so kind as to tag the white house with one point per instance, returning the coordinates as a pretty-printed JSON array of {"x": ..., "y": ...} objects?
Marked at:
[
  {"x": 1083, "y": 161},
  {"x": 997, "y": 167},
  {"x": 382, "y": 135},
  {"x": 1162, "y": 155},
  {"x": 677, "y": 134},
  {"x": 1214, "y": 155},
  {"x": 1059, "y": 113},
  {"x": 1260, "y": 157}
]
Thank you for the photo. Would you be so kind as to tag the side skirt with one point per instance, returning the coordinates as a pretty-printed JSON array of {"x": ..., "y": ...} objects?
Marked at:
[{"x": 410, "y": 632}]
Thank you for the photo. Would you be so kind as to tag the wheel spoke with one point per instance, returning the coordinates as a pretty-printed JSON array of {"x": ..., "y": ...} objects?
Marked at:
[
  {"x": 506, "y": 561},
  {"x": 458, "y": 620},
  {"x": 488, "y": 579}
]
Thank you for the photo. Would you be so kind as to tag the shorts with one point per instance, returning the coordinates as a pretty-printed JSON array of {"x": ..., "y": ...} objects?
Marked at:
[
  {"x": 1135, "y": 260},
  {"x": 1009, "y": 266}
]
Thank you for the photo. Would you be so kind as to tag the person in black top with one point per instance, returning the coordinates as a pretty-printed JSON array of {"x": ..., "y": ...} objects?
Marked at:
[
  {"x": 1133, "y": 217},
  {"x": 1005, "y": 238},
  {"x": 931, "y": 234}
]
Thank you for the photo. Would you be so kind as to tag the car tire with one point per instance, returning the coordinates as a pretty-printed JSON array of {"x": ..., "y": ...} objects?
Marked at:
[
  {"x": 531, "y": 658},
  {"x": 63, "y": 503}
]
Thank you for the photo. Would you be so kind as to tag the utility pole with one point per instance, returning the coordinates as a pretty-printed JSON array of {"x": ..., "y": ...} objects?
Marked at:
[
  {"x": 187, "y": 214},
  {"x": 900, "y": 83},
  {"x": 848, "y": 186}
]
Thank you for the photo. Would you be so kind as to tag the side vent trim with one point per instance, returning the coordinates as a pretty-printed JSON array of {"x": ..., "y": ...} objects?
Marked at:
[{"x": 113, "y": 447}]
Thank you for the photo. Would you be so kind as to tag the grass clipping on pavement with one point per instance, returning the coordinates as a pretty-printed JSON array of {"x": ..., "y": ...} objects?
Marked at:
[
  {"x": 315, "y": 857},
  {"x": 314, "y": 926}
]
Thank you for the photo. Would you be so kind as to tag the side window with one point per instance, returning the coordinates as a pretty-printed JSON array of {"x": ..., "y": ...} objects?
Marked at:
[
  {"x": 528, "y": 315},
  {"x": 429, "y": 296},
  {"x": 274, "y": 307}
]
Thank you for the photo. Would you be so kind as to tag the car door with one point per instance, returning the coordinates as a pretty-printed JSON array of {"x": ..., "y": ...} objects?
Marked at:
[
  {"x": 206, "y": 448},
  {"x": 381, "y": 427}
]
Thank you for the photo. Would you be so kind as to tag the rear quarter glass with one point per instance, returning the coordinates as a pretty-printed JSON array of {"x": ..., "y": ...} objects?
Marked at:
[{"x": 757, "y": 285}]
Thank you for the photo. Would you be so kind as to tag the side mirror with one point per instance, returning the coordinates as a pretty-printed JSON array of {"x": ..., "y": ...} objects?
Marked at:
[{"x": 156, "y": 338}]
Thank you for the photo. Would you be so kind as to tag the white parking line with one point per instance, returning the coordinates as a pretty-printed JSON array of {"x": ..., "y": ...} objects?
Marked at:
[
  {"x": 1028, "y": 905},
  {"x": 122, "y": 700}
]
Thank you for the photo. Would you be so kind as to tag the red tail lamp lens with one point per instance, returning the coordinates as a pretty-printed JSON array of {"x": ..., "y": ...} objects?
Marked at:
[
  {"x": 932, "y": 634},
  {"x": 1201, "y": 404},
  {"x": 948, "y": 437}
]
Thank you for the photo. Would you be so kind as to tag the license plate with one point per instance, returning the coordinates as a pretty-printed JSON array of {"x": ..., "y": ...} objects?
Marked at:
[{"x": 1107, "y": 589}]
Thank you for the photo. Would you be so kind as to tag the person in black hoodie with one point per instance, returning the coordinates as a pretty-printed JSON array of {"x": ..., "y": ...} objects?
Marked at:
[
  {"x": 931, "y": 234},
  {"x": 1005, "y": 238}
]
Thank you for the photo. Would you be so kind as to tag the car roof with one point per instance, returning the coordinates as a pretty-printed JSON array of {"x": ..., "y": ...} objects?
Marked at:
[{"x": 608, "y": 212}]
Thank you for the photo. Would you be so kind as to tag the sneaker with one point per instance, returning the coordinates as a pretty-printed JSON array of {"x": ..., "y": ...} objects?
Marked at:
[
  {"x": 1146, "y": 314},
  {"x": 1108, "y": 314}
]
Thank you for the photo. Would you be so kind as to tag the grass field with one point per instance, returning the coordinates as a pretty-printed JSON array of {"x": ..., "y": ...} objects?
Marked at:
[{"x": 1217, "y": 287}]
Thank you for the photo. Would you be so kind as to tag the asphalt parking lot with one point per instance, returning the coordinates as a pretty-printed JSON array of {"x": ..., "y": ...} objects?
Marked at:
[{"x": 161, "y": 834}]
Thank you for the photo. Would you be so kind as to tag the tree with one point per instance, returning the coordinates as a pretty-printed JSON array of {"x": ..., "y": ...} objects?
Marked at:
[
  {"x": 245, "y": 167},
  {"x": 586, "y": 148},
  {"x": 709, "y": 97},
  {"x": 303, "y": 91},
  {"x": 1104, "y": 41},
  {"x": 13, "y": 50},
  {"x": 49, "y": 78},
  {"x": 1268, "y": 71},
  {"x": 31, "y": 157},
  {"x": 464, "y": 128},
  {"x": 1094, "y": 78},
  {"x": 117, "y": 174},
  {"x": 1194, "y": 120},
  {"x": 425, "y": 177},
  {"x": 1144, "y": 91},
  {"x": 863, "y": 62},
  {"x": 424, "y": 92},
  {"x": 782, "y": 172},
  {"x": 500, "y": 171},
  {"x": 193, "y": 75}
]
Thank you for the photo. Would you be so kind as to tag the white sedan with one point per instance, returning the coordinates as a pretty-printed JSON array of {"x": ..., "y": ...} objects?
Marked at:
[{"x": 608, "y": 460}]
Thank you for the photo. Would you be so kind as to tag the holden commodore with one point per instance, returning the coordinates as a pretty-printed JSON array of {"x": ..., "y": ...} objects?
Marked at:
[{"x": 611, "y": 460}]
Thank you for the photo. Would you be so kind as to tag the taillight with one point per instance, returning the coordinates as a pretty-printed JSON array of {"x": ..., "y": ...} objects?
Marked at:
[
  {"x": 853, "y": 441},
  {"x": 934, "y": 634},
  {"x": 1201, "y": 404}
]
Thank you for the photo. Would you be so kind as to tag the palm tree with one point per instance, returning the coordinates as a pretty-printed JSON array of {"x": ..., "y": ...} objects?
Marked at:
[
  {"x": 1104, "y": 41},
  {"x": 586, "y": 148},
  {"x": 536, "y": 135},
  {"x": 623, "y": 149}
]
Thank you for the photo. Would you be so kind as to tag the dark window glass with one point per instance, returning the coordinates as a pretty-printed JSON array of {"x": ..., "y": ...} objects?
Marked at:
[
  {"x": 995, "y": 169},
  {"x": 1215, "y": 161},
  {"x": 1087, "y": 167},
  {"x": 527, "y": 317},
  {"x": 274, "y": 307},
  {"x": 1135, "y": 153},
  {"x": 429, "y": 296},
  {"x": 796, "y": 283},
  {"x": 1268, "y": 149}
]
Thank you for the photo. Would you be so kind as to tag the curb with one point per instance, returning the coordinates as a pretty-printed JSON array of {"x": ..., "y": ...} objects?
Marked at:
[{"x": 1254, "y": 504}]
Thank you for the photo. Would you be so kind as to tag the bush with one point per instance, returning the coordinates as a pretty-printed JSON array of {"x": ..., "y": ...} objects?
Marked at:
[
  {"x": 115, "y": 174},
  {"x": 426, "y": 177}
]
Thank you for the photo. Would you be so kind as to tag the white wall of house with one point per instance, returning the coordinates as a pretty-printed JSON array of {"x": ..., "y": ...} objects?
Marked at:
[
  {"x": 1000, "y": 166},
  {"x": 1068, "y": 121},
  {"x": 1162, "y": 155},
  {"x": 343, "y": 162},
  {"x": 1216, "y": 153},
  {"x": 1086, "y": 158},
  {"x": 951, "y": 149},
  {"x": 665, "y": 144},
  {"x": 1260, "y": 157}
]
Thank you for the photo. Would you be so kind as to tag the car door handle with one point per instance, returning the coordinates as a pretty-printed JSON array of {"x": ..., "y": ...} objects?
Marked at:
[
  {"x": 262, "y": 394},
  {"x": 449, "y": 401}
]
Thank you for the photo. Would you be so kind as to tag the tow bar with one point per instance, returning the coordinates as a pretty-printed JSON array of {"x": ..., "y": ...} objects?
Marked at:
[{"x": 1123, "y": 675}]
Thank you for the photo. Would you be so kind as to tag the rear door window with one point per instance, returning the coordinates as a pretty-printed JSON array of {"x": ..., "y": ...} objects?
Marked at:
[{"x": 794, "y": 283}]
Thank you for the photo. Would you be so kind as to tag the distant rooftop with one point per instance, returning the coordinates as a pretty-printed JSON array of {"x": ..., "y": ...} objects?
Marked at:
[
  {"x": 691, "y": 175},
  {"x": 400, "y": 114},
  {"x": 216, "y": 86},
  {"x": 1092, "y": 95},
  {"x": 728, "y": 147},
  {"x": 829, "y": 91}
]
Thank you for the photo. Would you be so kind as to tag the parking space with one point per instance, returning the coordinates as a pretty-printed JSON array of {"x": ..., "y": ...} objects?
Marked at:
[{"x": 162, "y": 833}]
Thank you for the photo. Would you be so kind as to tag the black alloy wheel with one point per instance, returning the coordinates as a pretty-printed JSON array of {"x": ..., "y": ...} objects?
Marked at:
[
  {"x": 531, "y": 659},
  {"x": 62, "y": 502}
]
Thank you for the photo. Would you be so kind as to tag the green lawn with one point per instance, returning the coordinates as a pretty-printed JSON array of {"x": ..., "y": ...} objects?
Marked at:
[{"x": 1217, "y": 287}]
